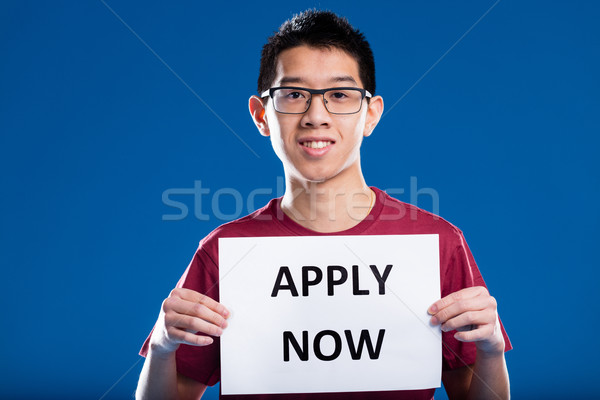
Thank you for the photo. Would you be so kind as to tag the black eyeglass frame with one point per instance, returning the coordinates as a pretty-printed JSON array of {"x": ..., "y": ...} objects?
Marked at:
[{"x": 363, "y": 92}]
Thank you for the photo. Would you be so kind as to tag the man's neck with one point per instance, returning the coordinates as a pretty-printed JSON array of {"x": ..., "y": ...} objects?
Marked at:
[{"x": 331, "y": 206}]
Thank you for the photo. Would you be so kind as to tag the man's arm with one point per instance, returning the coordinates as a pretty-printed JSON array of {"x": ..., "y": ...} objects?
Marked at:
[
  {"x": 183, "y": 313},
  {"x": 472, "y": 313},
  {"x": 159, "y": 379}
]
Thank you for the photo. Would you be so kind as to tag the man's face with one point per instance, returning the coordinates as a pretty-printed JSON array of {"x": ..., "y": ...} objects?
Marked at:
[{"x": 318, "y": 146}]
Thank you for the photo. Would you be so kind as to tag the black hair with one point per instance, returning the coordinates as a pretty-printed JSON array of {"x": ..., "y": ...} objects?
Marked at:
[{"x": 320, "y": 29}]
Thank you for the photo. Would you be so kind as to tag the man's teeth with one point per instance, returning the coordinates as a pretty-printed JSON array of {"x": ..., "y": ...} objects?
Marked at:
[{"x": 317, "y": 145}]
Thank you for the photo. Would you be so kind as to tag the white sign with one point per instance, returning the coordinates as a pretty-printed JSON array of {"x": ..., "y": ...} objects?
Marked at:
[{"x": 329, "y": 313}]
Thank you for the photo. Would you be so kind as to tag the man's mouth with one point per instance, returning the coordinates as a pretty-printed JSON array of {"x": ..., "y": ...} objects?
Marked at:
[{"x": 317, "y": 144}]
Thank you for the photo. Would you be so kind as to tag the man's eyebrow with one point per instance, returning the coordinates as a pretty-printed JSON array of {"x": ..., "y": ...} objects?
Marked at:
[
  {"x": 344, "y": 78},
  {"x": 288, "y": 80}
]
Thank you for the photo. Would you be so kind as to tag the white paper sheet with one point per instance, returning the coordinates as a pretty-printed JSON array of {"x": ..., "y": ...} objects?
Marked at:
[{"x": 268, "y": 316}]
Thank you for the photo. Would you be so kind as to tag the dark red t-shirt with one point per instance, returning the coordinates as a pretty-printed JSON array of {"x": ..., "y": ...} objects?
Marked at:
[{"x": 388, "y": 217}]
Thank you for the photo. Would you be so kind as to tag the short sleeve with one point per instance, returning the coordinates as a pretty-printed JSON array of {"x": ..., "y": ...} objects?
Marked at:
[
  {"x": 461, "y": 272},
  {"x": 201, "y": 363}
]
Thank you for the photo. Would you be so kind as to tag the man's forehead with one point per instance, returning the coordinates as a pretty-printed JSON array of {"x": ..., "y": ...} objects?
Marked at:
[{"x": 310, "y": 66}]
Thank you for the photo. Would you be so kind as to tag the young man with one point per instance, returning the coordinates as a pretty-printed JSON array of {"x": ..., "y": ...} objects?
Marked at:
[{"x": 316, "y": 104}]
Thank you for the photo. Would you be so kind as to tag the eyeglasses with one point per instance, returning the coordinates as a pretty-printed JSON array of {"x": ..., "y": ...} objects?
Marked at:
[{"x": 296, "y": 100}]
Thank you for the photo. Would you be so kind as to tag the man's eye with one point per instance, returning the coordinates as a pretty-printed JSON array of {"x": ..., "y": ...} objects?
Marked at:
[
  {"x": 338, "y": 95},
  {"x": 294, "y": 95}
]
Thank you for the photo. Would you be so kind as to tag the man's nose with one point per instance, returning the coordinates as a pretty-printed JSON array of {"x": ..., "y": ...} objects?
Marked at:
[
  {"x": 319, "y": 99},
  {"x": 317, "y": 113}
]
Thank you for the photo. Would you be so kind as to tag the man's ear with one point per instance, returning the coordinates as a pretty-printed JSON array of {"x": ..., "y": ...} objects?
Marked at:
[
  {"x": 374, "y": 113},
  {"x": 257, "y": 111}
]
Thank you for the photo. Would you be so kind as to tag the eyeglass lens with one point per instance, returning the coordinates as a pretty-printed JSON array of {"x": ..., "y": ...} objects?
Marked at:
[{"x": 297, "y": 101}]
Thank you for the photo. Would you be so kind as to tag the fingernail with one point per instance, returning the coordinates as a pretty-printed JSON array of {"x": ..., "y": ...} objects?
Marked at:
[
  {"x": 434, "y": 321},
  {"x": 432, "y": 310}
]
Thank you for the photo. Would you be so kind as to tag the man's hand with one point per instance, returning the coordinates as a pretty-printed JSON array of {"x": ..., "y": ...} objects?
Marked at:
[
  {"x": 187, "y": 317},
  {"x": 472, "y": 312}
]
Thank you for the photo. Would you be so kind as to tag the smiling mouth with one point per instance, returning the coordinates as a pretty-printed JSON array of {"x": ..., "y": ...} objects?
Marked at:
[{"x": 321, "y": 144}]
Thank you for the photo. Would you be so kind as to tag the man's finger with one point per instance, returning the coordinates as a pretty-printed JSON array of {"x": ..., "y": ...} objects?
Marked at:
[
  {"x": 482, "y": 332},
  {"x": 195, "y": 297},
  {"x": 469, "y": 318},
  {"x": 455, "y": 297},
  {"x": 459, "y": 307},
  {"x": 197, "y": 310},
  {"x": 193, "y": 324},
  {"x": 184, "y": 337}
]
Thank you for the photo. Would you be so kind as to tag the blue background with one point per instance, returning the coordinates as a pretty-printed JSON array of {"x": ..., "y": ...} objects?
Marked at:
[{"x": 94, "y": 128}]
